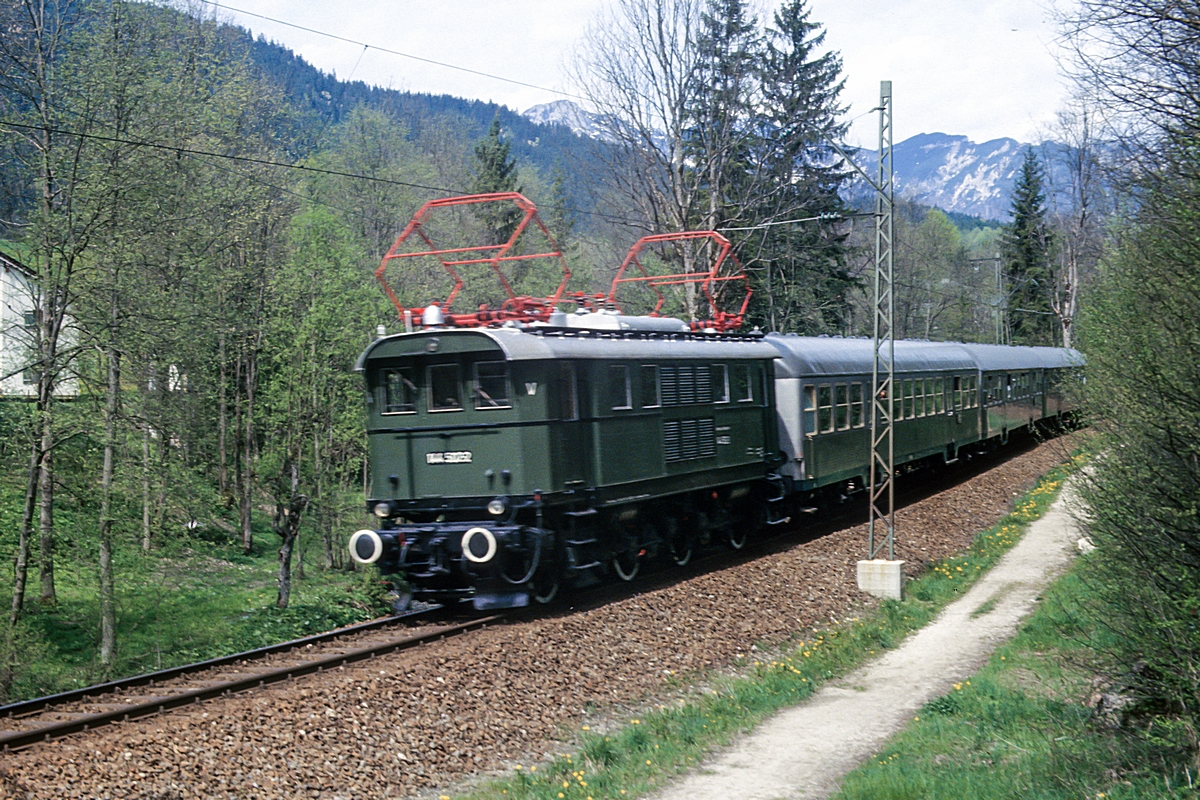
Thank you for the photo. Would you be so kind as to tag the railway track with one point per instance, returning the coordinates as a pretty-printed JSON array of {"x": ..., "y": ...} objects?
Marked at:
[{"x": 45, "y": 718}]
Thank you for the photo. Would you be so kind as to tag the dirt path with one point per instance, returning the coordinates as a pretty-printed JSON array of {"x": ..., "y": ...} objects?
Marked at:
[{"x": 804, "y": 752}]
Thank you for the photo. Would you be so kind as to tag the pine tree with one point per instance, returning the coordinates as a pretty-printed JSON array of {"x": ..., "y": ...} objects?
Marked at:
[
  {"x": 496, "y": 171},
  {"x": 801, "y": 272},
  {"x": 1027, "y": 249}
]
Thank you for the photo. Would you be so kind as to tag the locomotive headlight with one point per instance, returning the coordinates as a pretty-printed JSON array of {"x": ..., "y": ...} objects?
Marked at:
[
  {"x": 383, "y": 510},
  {"x": 497, "y": 506}
]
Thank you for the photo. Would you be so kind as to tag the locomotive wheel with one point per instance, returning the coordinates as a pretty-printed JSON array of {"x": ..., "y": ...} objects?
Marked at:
[
  {"x": 544, "y": 588},
  {"x": 681, "y": 547},
  {"x": 626, "y": 564},
  {"x": 738, "y": 534}
]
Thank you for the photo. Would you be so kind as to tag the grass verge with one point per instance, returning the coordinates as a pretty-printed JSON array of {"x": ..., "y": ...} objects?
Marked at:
[
  {"x": 1031, "y": 723},
  {"x": 641, "y": 755}
]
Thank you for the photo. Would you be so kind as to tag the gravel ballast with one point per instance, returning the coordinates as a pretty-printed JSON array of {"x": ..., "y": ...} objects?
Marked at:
[{"x": 425, "y": 718}]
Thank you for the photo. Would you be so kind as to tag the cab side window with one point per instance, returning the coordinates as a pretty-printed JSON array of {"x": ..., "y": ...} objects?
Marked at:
[
  {"x": 491, "y": 385},
  {"x": 743, "y": 389},
  {"x": 400, "y": 391},
  {"x": 649, "y": 395},
  {"x": 620, "y": 391},
  {"x": 444, "y": 389},
  {"x": 720, "y": 383}
]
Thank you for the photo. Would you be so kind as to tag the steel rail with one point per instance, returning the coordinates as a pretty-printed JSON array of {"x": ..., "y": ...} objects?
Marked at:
[{"x": 12, "y": 740}]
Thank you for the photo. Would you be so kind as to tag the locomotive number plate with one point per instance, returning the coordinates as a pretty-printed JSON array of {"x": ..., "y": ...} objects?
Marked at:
[{"x": 449, "y": 457}]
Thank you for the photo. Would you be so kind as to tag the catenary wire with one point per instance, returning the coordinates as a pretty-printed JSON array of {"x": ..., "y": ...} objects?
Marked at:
[{"x": 390, "y": 51}]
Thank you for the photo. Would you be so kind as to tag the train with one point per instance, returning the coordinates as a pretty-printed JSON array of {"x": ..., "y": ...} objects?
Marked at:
[{"x": 521, "y": 453}]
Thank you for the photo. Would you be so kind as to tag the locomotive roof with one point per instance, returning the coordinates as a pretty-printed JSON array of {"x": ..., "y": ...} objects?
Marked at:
[
  {"x": 806, "y": 355},
  {"x": 523, "y": 345},
  {"x": 1004, "y": 357}
]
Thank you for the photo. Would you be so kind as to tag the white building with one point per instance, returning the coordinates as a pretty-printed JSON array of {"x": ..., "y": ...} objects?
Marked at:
[{"x": 18, "y": 325}]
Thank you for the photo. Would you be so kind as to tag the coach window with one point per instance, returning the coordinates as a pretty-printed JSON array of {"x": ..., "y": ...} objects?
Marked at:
[
  {"x": 841, "y": 396},
  {"x": 444, "y": 388},
  {"x": 825, "y": 408},
  {"x": 743, "y": 390},
  {"x": 856, "y": 405},
  {"x": 939, "y": 396},
  {"x": 400, "y": 393},
  {"x": 720, "y": 383},
  {"x": 907, "y": 405},
  {"x": 973, "y": 384},
  {"x": 810, "y": 409},
  {"x": 491, "y": 385},
  {"x": 649, "y": 387},
  {"x": 618, "y": 386},
  {"x": 919, "y": 397},
  {"x": 929, "y": 404},
  {"x": 957, "y": 393}
]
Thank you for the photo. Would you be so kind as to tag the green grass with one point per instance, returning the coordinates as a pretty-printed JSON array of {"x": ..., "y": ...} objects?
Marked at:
[
  {"x": 187, "y": 600},
  {"x": 1020, "y": 727},
  {"x": 640, "y": 755}
]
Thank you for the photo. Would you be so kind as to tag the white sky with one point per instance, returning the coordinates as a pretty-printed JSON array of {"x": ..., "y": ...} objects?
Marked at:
[{"x": 982, "y": 68}]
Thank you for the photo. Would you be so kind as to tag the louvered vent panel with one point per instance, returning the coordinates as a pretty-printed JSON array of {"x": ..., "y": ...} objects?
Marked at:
[
  {"x": 671, "y": 448},
  {"x": 703, "y": 385},
  {"x": 687, "y": 386},
  {"x": 670, "y": 395},
  {"x": 707, "y": 434},
  {"x": 688, "y": 443}
]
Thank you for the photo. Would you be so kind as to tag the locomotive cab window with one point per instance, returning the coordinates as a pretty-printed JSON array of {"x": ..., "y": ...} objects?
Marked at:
[
  {"x": 491, "y": 385},
  {"x": 649, "y": 395},
  {"x": 810, "y": 409},
  {"x": 825, "y": 408},
  {"x": 444, "y": 389},
  {"x": 720, "y": 383},
  {"x": 743, "y": 389},
  {"x": 399, "y": 391},
  {"x": 620, "y": 390}
]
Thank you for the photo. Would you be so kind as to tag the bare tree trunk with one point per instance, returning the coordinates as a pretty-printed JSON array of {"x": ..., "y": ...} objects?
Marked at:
[
  {"x": 248, "y": 455},
  {"x": 108, "y": 614},
  {"x": 146, "y": 486},
  {"x": 22, "y": 570},
  {"x": 287, "y": 526},
  {"x": 222, "y": 422},
  {"x": 46, "y": 515}
]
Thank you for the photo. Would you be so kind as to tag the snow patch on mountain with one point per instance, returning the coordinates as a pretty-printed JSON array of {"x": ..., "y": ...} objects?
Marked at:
[{"x": 569, "y": 113}]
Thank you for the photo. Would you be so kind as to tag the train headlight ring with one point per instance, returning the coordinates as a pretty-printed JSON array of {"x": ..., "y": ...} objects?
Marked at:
[
  {"x": 497, "y": 506},
  {"x": 383, "y": 510},
  {"x": 366, "y": 547},
  {"x": 477, "y": 537}
]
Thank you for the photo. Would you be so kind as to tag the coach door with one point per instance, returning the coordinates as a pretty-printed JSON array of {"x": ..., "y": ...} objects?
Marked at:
[{"x": 571, "y": 449}]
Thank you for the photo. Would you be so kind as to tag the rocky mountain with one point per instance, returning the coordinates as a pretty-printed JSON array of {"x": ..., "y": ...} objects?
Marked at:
[
  {"x": 568, "y": 113},
  {"x": 942, "y": 170},
  {"x": 955, "y": 174}
]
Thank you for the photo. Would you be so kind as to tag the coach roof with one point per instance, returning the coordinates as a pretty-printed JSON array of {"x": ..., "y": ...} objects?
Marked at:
[
  {"x": 1002, "y": 357},
  {"x": 802, "y": 356}
]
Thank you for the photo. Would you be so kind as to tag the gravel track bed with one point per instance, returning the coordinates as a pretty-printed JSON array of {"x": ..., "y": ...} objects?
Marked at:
[{"x": 419, "y": 719}]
